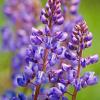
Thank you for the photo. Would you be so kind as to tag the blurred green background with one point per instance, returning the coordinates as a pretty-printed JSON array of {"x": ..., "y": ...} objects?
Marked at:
[{"x": 90, "y": 10}]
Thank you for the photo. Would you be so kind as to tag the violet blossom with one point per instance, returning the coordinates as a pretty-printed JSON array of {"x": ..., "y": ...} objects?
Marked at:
[
  {"x": 50, "y": 60},
  {"x": 54, "y": 58}
]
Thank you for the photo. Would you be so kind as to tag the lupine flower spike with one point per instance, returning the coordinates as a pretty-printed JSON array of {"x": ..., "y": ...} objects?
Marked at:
[
  {"x": 51, "y": 61},
  {"x": 54, "y": 59}
]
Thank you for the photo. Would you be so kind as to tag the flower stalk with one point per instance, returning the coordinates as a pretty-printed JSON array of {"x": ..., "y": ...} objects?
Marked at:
[{"x": 78, "y": 75}]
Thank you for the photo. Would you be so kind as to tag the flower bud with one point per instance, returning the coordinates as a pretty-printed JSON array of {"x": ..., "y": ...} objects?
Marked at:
[
  {"x": 60, "y": 21},
  {"x": 61, "y": 36}
]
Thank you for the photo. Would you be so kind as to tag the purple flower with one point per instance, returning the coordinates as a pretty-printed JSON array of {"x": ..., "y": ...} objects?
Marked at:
[
  {"x": 88, "y": 79},
  {"x": 22, "y": 80},
  {"x": 54, "y": 92},
  {"x": 54, "y": 58},
  {"x": 89, "y": 60},
  {"x": 61, "y": 87}
]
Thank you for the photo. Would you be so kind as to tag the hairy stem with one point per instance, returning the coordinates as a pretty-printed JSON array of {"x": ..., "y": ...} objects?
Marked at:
[
  {"x": 44, "y": 60},
  {"x": 44, "y": 69},
  {"x": 78, "y": 74}
]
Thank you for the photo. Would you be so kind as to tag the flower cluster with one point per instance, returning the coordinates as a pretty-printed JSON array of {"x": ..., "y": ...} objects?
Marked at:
[
  {"x": 53, "y": 60},
  {"x": 81, "y": 39},
  {"x": 21, "y": 16}
]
